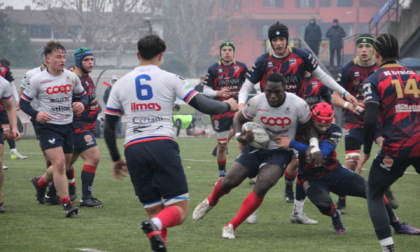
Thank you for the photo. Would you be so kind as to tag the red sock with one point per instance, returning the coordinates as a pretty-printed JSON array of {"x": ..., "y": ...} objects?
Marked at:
[
  {"x": 169, "y": 216},
  {"x": 65, "y": 199},
  {"x": 250, "y": 204},
  {"x": 217, "y": 193},
  {"x": 70, "y": 176},
  {"x": 289, "y": 176},
  {"x": 41, "y": 182},
  {"x": 164, "y": 233}
]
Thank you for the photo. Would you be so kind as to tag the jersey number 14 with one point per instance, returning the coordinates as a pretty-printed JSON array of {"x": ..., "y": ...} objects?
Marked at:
[{"x": 409, "y": 88}]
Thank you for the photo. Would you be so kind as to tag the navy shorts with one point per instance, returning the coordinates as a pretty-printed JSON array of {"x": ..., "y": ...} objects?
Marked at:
[
  {"x": 223, "y": 124},
  {"x": 3, "y": 117},
  {"x": 1, "y": 134},
  {"x": 341, "y": 182},
  {"x": 252, "y": 158},
  {"x": 156, "y": 170},
  {"x": 83, "y": 141},
  {"x": 52, "y": 136},
  {"x": 357, "y": 135}
]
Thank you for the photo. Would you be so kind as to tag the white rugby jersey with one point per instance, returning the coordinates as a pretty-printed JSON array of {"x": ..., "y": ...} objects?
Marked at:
[
  {"x": 54, "y": 94},
  {"x": 147, "y": 95},
  {"x": 5, "y": 89},
  {"x": 280, "y": 121},
  {"x": 25, "y": 82}
]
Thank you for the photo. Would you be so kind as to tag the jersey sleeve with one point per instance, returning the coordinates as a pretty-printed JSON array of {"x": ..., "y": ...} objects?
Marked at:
[
  {"x": 256, "y": 72},
  {"x": 370, "y": 89},
  {"x": 209, "y": 80},
  {"x": 310, "y": 62},
  {"x": 114, "y": 106},
  {"x": 334, "y": 135},
  {"x": 5, "y": 89},
  {"x": 78, "y": 89},
  {"x": 31, "y": 90},
  {"x": 183, "y": 88},
  {"x": 250, "y": 108},
  {"x": 303, "y": 111}
]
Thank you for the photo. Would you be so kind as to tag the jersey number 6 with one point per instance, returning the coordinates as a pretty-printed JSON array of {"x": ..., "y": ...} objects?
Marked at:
[{"x": 143, "y": 91}]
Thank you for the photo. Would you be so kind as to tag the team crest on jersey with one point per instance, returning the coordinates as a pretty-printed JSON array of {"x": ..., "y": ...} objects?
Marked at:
[
  {"x": 236, "y": 68},
  {"x": 356, "y": 74},
  {"x": 220, "y": 70},
  {"x": 287, "y": 111},
  {"x": 270, "y": 64},
  {"x": 292, "y": 61},
  {"x": 314, "y": 84}
]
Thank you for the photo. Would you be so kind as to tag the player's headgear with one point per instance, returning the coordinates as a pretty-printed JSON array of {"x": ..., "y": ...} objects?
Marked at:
[
  {"x": 387, "y": 46},
  {"x": 278, "y": 30},
  {"x": 41, "y": 53},
  {"x": 323, "y": 113},
  {"x": 80, "y": 54},
  {"x": 226, "y": 43},
  {"x": 365, "y": 39}
]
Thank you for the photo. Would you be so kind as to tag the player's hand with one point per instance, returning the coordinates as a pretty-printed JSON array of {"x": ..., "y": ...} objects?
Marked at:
[
  {"x": 225, "y": 92},
  {"x": 43, "y": 117},
  {"x": 15, "y": 134},
  {"x": 314, "y": 155},
  {"x": 245, "y": 137},
  {"x": 233, "y": 104},
  {"x": 283, "y": 142},
  {"x": 120, "y": 169},
  {"x": 350, "y": 98},
  {"x": 77, "y": 107},
  {"x": 361, "y": 162}
]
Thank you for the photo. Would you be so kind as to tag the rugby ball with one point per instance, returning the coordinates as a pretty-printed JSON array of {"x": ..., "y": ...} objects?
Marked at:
[{"x": 261, "y": 137}]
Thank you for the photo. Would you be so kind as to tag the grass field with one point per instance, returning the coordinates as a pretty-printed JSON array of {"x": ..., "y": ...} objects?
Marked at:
[{"x": 29, "y": 226}]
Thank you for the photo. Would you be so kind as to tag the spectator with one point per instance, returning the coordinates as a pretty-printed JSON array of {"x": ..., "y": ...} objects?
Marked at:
[
  {"x": 313, "y": 35},
  {"x": 336, "y": 34}
]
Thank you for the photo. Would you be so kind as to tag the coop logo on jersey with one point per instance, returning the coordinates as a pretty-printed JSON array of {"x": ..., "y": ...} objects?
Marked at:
[
  {"x": 59, "y": 89},
  {"x": 276, "y": 121},
  {"x": 145, "y": 106}
]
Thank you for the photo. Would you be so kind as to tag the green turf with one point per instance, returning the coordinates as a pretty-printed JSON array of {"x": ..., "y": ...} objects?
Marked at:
[{"x": 29, "y": 226}]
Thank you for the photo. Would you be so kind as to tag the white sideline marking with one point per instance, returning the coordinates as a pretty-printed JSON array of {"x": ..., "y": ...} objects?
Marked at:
[{"x": 90, "y": 250}]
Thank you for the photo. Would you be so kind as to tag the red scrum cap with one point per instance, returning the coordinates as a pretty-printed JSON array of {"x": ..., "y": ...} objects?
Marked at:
[{"x": 323, "y": 113}]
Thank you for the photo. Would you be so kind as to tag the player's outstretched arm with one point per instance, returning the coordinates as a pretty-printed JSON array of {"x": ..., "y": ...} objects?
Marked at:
[{"x": 212, "y": 107}]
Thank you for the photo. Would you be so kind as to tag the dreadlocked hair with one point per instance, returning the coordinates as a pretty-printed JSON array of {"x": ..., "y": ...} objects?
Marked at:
[{"x": 387, "y": 46}]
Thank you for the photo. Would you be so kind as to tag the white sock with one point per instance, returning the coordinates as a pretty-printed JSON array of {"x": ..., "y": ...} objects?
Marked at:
[
  {"x": 298, "y": 208},
  {"x": 157, "y": 222},
  {"x": 386, "y": 241},
  {"x": 13, "y": 151}
]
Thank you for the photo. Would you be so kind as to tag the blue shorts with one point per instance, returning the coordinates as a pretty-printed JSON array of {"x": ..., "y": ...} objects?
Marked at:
[
  {"x": 83, "y": 141},
  {"x": 253, "y": 158},
  {"x": 156, "y": 170},
  {"x": 52, "y": 136},
  {"x": 223, "y": 124}
]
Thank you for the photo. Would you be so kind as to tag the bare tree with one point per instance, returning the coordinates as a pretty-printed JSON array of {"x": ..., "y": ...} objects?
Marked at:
[
  {"x": 103, "y": 25},
  {"x": 193, "y": 27}
]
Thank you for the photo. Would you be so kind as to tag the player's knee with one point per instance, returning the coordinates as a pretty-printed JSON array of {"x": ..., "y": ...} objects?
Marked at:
[
  {"x": 321, "y": 199},
  {"x": 352, "y": 158}
]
